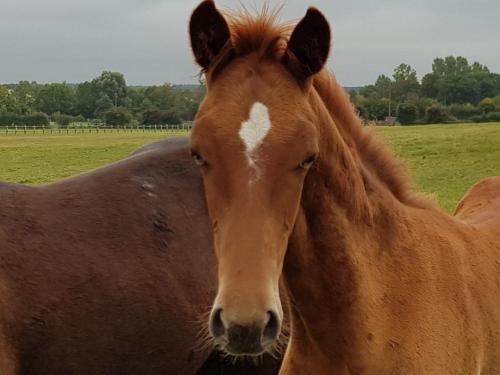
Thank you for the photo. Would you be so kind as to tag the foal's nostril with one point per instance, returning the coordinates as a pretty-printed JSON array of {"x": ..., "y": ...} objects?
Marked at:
[
  {"x": 244, "y": 339},
  {"x": 272, "y": 329},
  {"x": 217, "y": 327}
]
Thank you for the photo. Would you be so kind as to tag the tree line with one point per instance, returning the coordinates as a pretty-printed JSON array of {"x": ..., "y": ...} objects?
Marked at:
[
  {"x": 455, "y": 91},
  {"x": 106, "y": 99}
]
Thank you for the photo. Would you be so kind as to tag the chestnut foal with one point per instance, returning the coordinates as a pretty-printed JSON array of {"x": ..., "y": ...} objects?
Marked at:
[{"x": 380, "y": 280}]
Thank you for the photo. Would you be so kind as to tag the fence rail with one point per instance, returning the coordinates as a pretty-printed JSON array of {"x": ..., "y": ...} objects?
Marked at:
[{"x": 27, "y": 130}]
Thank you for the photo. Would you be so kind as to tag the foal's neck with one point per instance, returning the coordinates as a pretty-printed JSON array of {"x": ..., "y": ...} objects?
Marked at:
[{"x": 337, "y": 233}]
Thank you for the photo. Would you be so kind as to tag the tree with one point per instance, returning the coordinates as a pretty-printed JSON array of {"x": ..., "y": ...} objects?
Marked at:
[
  {"x": 138, "y": 103},
  {"x": 55, "y": 97},
  {"x": 430, "y": 86},
  {"x": 86, "y": 97},
  {"x": 147, "y": 105},
  {"x": 496, "y": 101},
  {"x": 487, "y": 105},
  {"x": 112, "y": 85},
  {"x": 8, "y": 119},
  {"x": 436, "y": 114},
  {"x": 423, "y": 103},
  {"x": 162, "y": 97},
  {"x": 407, "y": 113},
  {"x": 155, "y": 117},
  {"x": 102, "y": 105},
  {"x": 26, "y": 94},
  {"x": 485, "y": 84},
  {"x": 464, "y": 111},
  {"x": 479, "y": 68},
  {"x": 8, "y": 101},
  {"x": 369, "y": 91},
  {"x": 383, "y": 86},
  {"x": 372, "y": 108},
  {"x": 454, "y": 80},
  {"x": 404, "y": 72},
  {"x": 36, "y": 119},
  {"x": 405, "y": 82},
  {"x": 117, "y": 116},
  {"x": 186, "y": 103},
  {"x": 63, "y": 121}
]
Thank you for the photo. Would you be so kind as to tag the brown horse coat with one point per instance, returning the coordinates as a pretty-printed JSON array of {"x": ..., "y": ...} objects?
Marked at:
[
  {"x": 108, "y": 272},
  {"x": 380, "y": 280}
]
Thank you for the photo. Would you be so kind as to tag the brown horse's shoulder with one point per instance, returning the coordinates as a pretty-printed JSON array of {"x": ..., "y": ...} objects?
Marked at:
[
  {"x": 166, "y": 145},
  {"x": 482, "y": 203},
  {"x": 10, "y": 187},
  {"x": 131, "y": 241}
]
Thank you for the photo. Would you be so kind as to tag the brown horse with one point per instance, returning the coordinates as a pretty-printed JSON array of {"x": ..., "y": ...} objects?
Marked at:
[
  {"x": 381, "y": 281},
  {"x": 109, "y": 272}
]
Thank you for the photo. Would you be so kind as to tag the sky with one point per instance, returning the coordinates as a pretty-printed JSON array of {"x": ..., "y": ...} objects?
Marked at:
[{"x": 147, "y": 40}]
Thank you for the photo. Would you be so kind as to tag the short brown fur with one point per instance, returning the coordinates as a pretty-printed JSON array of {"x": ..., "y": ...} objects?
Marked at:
[{"x": 381, "y": 281}]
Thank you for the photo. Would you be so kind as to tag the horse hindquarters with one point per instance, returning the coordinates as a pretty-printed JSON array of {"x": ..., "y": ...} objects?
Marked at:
[{"x": 481, "y": 204}]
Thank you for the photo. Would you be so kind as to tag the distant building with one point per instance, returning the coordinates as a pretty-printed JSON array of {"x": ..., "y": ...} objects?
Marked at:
[{"x": 390, "y": 121}]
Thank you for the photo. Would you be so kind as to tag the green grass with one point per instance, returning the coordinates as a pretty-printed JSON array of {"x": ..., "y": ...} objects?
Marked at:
[
  {"x": 38, "y": 159},
  {"x": 445, "y": 160}
]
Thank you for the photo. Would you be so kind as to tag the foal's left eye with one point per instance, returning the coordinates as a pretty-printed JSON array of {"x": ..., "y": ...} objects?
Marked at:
[
  {"x": 198, "y": 159},
  {"x": 307, "y": 163}
]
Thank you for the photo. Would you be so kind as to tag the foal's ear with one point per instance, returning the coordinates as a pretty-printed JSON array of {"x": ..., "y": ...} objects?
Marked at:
[
  {"x": 209, "y": 33},
  {"x": 309, "y": 45}
]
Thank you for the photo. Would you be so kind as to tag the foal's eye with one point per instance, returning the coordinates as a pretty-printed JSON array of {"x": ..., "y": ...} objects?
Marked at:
[
  {"x": 198, "y": 159},
  {"x": 307, "y": 163}
]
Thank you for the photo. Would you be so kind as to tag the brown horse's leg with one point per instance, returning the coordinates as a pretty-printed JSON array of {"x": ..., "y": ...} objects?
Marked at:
[{"x": 7, "y": 360}]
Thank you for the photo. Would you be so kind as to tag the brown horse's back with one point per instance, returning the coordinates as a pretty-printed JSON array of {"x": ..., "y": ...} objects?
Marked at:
[
  {"x": 481, "y": 205},
  {"x": 108, "y": 272}
]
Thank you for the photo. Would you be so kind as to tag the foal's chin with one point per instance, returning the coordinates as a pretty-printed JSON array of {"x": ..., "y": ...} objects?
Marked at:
[
  {"x": 238, "y": 352},
  {"x": 241, "y": 347}
]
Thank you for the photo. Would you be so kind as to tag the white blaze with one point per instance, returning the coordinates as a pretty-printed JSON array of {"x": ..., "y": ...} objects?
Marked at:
[{"x": 254, "y": 130}]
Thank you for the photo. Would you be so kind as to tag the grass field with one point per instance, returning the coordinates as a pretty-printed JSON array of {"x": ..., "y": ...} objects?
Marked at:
[
  {"x": 445, "y": 160},
  {"x": 38, "y": 159}
]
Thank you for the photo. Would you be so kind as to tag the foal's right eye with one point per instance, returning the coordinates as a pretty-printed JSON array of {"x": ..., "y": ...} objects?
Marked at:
[
  {"x": 198, "y": 159},
  {"x": 307, "y": 163}
]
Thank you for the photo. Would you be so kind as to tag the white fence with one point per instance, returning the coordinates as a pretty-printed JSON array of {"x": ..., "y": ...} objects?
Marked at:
[{"x": 26, "y": 130}]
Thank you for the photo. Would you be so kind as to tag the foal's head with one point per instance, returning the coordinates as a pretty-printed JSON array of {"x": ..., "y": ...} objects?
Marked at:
[{"x": 254, "y": 139}]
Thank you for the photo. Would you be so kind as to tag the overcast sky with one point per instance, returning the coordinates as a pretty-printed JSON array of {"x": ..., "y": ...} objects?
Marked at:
[{"x": 74, "y": 40}]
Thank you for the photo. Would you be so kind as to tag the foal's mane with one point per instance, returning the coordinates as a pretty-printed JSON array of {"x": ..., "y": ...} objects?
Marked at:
[{"x": 261, "y": 33}]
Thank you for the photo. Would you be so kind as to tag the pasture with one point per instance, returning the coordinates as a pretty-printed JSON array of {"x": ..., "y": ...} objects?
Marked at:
[{"x": 444, "y": 160}]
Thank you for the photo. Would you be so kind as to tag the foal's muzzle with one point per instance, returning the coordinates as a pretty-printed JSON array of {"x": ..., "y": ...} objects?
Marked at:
[{"x": 245, "y": 339}]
